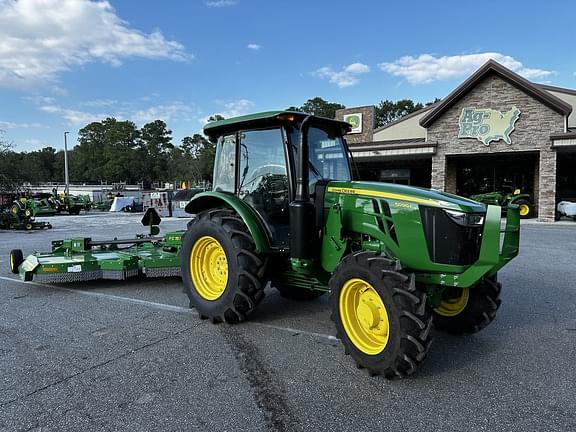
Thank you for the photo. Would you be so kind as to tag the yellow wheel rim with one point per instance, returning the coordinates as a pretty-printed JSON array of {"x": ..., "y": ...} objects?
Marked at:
[
  {"x": 14, "y": 210},
  {"x": 524, "y": 209},
  {"x": 27, "y": 212},
  {"x": 209, "y": 268},
  {"x": 11, "y": 262},
  {"x": 454, "y": 306},
  {"x": 364, "y": 316}
]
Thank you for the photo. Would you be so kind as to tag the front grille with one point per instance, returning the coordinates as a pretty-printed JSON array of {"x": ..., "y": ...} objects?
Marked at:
[{"x": 450, "y": 241}]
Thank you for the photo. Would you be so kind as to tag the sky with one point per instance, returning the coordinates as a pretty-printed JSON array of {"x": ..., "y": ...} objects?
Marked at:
[{"x": 66, "y": 63}]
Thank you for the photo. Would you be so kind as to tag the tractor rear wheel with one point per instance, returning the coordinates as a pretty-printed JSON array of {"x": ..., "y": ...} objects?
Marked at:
[
  {"x": 16, "y": 258},
  {"x": 468, "y": 310},
  {"x": 525, "y": 208},
  {"x": 380, "y": 316},
  {"x": 221, "y": 270}
]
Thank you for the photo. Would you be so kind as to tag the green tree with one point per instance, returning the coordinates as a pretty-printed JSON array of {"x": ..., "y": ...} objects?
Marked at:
[
  {"x": 215, "y": 117},
  {"x": 7, "y": 168},
  {"x": 388, "y": 111},
  {"x": 106, "y": 151},
  {"x": 319, "y": 107},
  {"x": 196, "y": 159},
  {"x": 156, "y": 144}
]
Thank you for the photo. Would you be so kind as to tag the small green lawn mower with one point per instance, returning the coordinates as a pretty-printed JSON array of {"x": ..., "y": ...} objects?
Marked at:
[
  {"x": 523, "y": 201},
  {"x": 20, "y": 216}
]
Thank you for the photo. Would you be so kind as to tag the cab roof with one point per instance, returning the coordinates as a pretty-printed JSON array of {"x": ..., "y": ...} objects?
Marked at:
[{"x": 263, "y": 119}]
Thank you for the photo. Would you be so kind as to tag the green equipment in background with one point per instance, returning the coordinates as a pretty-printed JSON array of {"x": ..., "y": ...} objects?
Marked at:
[
  {"x": 20, "y": 216},
  {"x": 503, "y": 199}
]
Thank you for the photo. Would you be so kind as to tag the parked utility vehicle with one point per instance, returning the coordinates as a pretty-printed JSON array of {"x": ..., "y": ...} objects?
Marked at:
[
  {"x": 395, "y": 259},
  {"x": 504, "y": 199}
]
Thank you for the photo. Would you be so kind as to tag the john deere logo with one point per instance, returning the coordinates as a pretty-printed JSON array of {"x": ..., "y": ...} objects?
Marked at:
[
  {"x": 487, "y": 125},
  {"x": 355, "y": 120}
]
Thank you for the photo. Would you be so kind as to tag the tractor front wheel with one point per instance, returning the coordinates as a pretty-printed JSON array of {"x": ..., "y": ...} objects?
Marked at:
[
  {"x": 525, "y": 208},
  {"x": 380, "y": 315},
  {"x": 221, "y": 270},
  {"x": 468, "y": 310}
]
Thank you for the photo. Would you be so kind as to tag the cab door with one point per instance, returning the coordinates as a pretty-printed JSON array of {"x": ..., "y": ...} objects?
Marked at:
[{"x": 263, "y": 180}]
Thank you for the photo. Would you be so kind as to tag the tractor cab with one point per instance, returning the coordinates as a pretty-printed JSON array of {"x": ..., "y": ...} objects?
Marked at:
[{"x": 257, "y": 161}]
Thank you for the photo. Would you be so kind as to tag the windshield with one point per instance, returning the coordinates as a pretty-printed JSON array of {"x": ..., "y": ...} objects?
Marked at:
[{"x": 327, "y": 155}]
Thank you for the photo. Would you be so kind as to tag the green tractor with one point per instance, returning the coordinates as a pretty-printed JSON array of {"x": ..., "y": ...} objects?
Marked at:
[
  {"x": 504, "y": 199},
  {"x": 20, "y": 216},
  {"x": 395, "y": 259}
]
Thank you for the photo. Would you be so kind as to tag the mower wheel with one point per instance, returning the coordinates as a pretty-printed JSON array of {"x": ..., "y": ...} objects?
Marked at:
[
  {"x": 295, "y": 293},
  {"x": 470, "y": 310},
  {"x": 223, "y": 274},
  {"x": 16, "y": 258},
  {"x": 380, "y": 316},
  {"x": 525, "y": 208}
]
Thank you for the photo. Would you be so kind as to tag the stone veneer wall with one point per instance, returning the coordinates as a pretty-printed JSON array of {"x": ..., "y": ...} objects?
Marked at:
[
  {"x": 532, "y": 133},
  {"x": 368, "y": 120}
]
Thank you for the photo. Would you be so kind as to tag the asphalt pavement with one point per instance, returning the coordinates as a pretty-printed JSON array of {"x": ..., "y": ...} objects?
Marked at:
[{"x": 131, "y": 355}]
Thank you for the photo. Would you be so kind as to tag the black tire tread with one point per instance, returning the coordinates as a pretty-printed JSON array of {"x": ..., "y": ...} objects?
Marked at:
[
  {"x": 415, "y": 318},
  {"x": 249, "y": 286},
  {"x": 18, "y": 258},
  {"x": 483, "y": 303}
]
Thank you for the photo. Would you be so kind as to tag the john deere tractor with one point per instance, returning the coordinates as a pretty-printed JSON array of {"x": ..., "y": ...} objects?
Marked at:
[
  {"x": 395, "y": 259},
  {"x": 504, "y": 199}
]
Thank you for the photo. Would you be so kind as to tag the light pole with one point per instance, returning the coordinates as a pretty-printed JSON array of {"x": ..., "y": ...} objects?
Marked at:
[{"x": 66, "y": 179}]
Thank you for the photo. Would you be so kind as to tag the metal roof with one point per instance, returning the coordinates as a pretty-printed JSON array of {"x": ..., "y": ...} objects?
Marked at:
[{"x": 262, "y": 119}]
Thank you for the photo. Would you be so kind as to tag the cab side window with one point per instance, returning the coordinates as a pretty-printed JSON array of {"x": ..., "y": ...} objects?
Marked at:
[{"x": 225, "y": 168}]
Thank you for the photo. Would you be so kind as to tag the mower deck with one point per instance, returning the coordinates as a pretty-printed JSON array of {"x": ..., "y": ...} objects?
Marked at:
[
  {"x": 147, "y": 259},
  {"x": 83, "y": 259}
]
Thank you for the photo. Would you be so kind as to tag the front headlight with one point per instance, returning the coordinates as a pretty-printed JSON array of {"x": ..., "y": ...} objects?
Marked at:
[{"x": 465, "y": 219}]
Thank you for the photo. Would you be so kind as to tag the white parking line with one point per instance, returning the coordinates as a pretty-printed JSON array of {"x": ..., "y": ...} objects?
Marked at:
[
  {"x": 161, "y": 306},
  {"x": 167, "y": 307}
]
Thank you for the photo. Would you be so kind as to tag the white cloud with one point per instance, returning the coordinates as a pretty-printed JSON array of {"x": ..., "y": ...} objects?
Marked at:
[
  {"x": 253, "y": 46},
  {"x": 39, "y": 39},
  {"x": 221, "y": 3},
  {"x": 231, "y": 109},
  {"x": 168, "y": 112},
  {"x": 427, "y": 68},
  {"x": 75, "y": 117},
  {"x": 99, "y": 103},
  {"x": 12, "y": 125},
  {"x": 347, "y": 77},
  {"x": 173, "y": 111}
]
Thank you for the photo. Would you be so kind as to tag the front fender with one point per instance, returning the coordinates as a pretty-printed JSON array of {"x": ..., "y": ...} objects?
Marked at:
[{"x": 210, "y": 200}]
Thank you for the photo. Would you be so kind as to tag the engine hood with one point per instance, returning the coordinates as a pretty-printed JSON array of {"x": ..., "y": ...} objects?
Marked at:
[{"x": 417, "y": 195}]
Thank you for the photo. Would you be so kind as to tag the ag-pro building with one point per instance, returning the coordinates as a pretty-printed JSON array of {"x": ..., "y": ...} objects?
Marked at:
[{"x": 495, "y": 131}]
